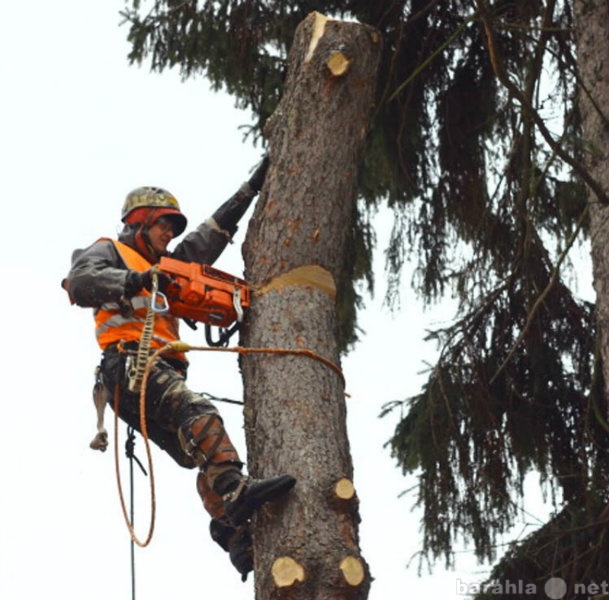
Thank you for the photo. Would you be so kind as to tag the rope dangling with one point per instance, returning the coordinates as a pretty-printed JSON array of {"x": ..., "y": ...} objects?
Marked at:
[
  {"x": 128, "y": 519},
  {"x": 136, "y": 385}
]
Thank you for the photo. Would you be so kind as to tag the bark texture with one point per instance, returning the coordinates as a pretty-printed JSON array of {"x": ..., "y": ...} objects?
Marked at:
[
  {"x": 307, "y": 546},
  {"x": 592, "y": 36}
]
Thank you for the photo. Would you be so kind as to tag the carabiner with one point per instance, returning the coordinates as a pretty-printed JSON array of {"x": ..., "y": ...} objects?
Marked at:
[{"x": 159, "y": 302}]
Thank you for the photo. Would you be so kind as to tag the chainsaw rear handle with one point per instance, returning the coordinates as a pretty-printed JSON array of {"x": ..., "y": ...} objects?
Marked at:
[{"x": 223, "y": 338}]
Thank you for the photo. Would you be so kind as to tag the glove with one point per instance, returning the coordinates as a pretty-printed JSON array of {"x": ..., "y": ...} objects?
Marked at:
[
  {"x": 256, "y": 181},
  {"x": 229, "y": 214},
  {"x": 136, "y": 281}
]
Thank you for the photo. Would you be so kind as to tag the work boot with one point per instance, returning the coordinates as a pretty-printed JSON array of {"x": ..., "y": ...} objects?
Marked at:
[
  {"x": 236, "y": 541},
  {"x": 243, "y": 496}
]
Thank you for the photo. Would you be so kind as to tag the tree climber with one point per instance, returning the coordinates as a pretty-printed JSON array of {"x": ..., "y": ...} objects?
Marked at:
[{"x": 115, "y": 277}]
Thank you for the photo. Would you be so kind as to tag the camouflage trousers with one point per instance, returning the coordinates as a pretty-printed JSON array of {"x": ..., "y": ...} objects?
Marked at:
[
  {"x": 170, "y": 404},
  {"x": 171, "y": 408}
]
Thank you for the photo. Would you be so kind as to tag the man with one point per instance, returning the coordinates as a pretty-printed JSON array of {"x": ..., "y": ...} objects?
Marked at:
[{"x": 115, "y": 278}]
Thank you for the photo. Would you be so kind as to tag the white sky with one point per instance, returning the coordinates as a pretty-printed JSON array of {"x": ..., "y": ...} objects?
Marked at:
[{"x": 79, "y": 128}]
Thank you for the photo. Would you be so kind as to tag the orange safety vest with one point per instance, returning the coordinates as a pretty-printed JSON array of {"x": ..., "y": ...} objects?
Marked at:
[{"x": 112, "y": 327}]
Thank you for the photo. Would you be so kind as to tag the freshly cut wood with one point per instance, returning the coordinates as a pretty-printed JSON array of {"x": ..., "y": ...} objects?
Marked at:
[
  {"x": 287, "y": 572},
  {"x": 344, "y": 489},
  {"x": 353, "y": 570},
  {"x": 338, "y": 64}
]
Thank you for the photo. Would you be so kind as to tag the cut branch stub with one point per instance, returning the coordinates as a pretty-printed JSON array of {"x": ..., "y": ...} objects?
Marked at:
[
  {"x": 338, "y": 63},
  {"x": 344, "y": 489},
  {"x": 287, "y": 572},
  {"x": 353, "y": 570}
]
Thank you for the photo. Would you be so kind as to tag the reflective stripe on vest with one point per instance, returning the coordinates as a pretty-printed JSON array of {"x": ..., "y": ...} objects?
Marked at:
[{"x": 111, "y": 326}]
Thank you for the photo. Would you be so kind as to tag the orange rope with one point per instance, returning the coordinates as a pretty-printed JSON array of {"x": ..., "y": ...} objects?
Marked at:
[
  {"x": 180, "y": 346},
  {"x": 134, "y": 536}
]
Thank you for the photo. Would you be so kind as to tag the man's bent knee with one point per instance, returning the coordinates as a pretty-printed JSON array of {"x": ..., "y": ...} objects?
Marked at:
[{"x": 206, "y": 441}]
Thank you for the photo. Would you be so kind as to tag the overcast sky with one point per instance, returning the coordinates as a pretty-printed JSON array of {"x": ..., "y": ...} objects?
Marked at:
[{"x": 79, "y": 129}]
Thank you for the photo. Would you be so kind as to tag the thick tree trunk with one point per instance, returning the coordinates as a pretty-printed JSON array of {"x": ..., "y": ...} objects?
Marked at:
[
  {"x": 307, "y": 546},
  {"x": 592, "y": 35}
]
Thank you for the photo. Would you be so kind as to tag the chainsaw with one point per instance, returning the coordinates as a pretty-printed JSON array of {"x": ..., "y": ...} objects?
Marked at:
[{"x": 199, "y": 293}]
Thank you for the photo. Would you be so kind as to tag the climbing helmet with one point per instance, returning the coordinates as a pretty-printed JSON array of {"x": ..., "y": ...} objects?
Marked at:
[{"x": 147, "y": 204}]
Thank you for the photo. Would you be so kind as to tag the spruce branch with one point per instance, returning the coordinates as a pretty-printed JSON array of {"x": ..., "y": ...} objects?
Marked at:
[
  {"x": 541, "y": 298},
  {"x": 504, "y": 79}
]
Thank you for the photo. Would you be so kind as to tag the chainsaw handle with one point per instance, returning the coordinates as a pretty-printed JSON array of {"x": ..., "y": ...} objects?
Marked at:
[{"x": 225, "y": 335}]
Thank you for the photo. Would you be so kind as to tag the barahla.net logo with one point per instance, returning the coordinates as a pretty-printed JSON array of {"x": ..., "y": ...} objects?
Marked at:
[{"x": 554, "y": 588}]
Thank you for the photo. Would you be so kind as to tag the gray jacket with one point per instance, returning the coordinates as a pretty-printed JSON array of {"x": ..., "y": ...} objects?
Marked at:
[{"x": 98, "y": 273}]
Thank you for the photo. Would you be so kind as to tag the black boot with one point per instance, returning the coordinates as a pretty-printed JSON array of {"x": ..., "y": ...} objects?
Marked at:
[
  {"x": 243, "y": 496},
  {"x": 237, "y": 542}
]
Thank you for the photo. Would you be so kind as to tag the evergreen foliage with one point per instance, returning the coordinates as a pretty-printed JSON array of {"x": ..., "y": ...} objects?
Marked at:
[{"x": 474, "y": 145}]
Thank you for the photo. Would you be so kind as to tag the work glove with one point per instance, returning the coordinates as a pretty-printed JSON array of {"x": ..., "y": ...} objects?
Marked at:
[
  {"x": 137, "y": 281},
  {"x": 256, "y": 181},
  {"x": 229, "y": 214}
]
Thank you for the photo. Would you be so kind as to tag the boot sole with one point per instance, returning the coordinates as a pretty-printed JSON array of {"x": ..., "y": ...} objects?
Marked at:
[{"x": 255, "y": 495}]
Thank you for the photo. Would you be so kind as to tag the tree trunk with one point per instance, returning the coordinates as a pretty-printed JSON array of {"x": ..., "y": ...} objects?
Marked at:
[
  {"x": 592, "y": 36},
  {"x": 307, "y": 546}
]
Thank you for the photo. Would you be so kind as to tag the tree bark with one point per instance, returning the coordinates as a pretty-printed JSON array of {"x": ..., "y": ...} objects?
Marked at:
[
  {"x": 307, "y": 546},
  {"x": 592, "y": 38}
]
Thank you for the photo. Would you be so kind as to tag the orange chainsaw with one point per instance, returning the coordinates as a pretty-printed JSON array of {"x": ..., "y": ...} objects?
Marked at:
[{"x": 199, "y": 293}]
